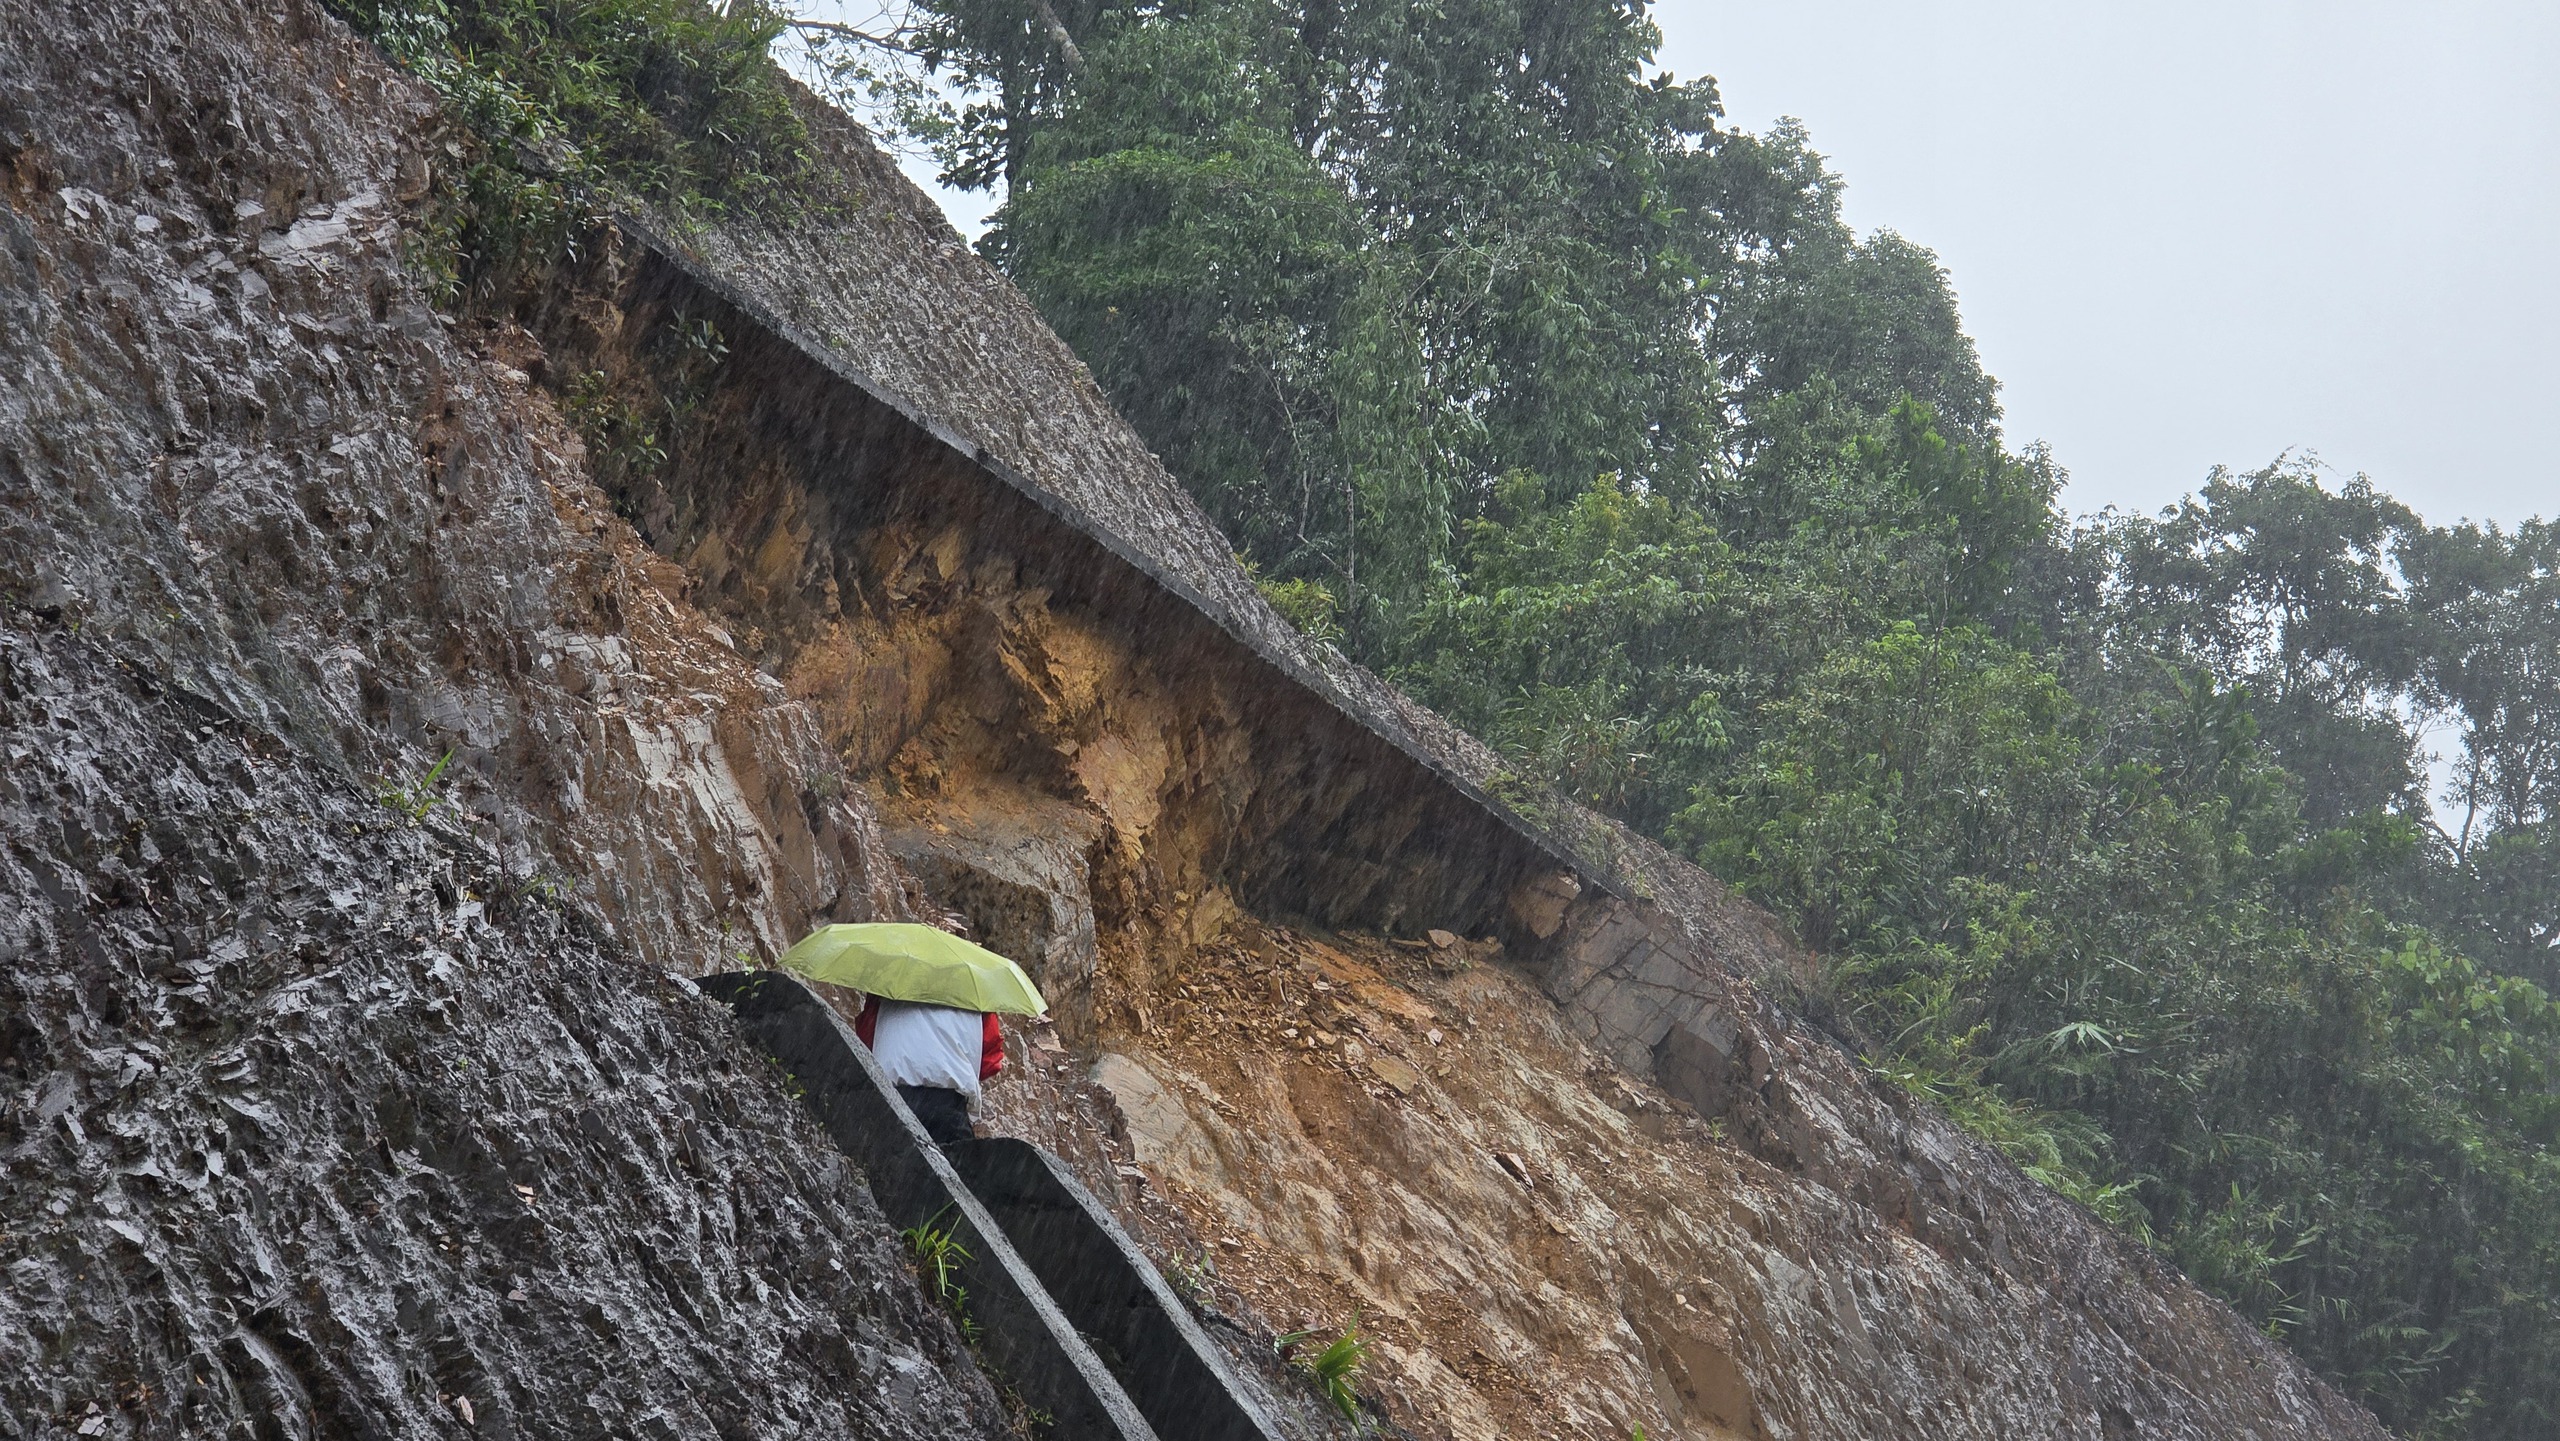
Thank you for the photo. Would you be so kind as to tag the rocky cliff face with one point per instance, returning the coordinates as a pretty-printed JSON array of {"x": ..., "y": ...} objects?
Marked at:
[
  {"x": 332, "y": 1120},
  {"x": 318, "y": 1122},
  {"x": 319, "y": 1126}
]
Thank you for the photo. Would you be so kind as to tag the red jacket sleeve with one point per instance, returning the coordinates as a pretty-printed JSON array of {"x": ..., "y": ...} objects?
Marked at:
[
  {"x": 992, "y": 1059},
  {"x": 869, "y": 1020}
]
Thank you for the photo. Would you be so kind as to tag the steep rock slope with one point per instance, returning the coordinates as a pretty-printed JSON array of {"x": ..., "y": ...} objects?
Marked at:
[
  {"x": 314, "y": 1121},
  {"x": 903, "y": 599},
  {"x": 318, "y": 1127},
  {"x": 241, "y": 442}
]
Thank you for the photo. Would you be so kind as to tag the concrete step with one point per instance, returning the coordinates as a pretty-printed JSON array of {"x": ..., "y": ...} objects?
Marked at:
[{"x": 1071, "y": 1313}]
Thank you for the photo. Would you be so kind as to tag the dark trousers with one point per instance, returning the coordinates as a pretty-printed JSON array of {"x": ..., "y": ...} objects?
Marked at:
[{"x": 944, "y": 1112}]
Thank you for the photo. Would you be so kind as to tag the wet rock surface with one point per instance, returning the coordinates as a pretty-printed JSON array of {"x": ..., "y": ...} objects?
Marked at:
[
  {"x": 238, "y": 436},
  {"x": 312, "y": 1124},
  {"x": 315, "y": 1121}
]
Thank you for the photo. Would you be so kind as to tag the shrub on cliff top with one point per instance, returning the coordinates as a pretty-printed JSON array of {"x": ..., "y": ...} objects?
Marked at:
[{"x": 567, "y": 105}]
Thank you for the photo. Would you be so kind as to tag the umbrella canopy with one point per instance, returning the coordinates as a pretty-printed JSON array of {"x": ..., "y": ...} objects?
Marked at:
[{"x": 897, "y": 961}]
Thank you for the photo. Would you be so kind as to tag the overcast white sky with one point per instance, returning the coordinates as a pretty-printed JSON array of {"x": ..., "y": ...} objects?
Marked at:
[
  {"x": 2197, "y": 231},
  {"x": 2186, "y": 233}
]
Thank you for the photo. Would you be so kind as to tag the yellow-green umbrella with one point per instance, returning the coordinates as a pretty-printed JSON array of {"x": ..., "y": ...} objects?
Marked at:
[{"x": 897, "y": 961}]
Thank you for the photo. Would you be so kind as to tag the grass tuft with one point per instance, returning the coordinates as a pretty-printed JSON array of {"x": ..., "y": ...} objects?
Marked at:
[
  {"x": 939, "y": 1255},
  {"x": 415, "y": 798},
  {"x": 1335, "y": 1367}
]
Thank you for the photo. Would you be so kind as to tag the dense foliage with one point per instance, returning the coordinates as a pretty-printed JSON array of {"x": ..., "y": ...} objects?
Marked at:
[
  {"x": 1587, "y": 418},
  {"x": 565, "y": 107}
]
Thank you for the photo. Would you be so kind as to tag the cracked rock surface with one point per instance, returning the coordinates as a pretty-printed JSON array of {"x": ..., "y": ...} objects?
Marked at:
[
  {"x": 314, "y": 1124},
  {"x": 317, "y": 1120}
]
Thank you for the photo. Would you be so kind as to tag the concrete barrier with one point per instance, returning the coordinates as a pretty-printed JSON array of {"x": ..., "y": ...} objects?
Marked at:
[
  {"x": 1111, "y": 1292},
  {"x": 1023, "y": 1335}
]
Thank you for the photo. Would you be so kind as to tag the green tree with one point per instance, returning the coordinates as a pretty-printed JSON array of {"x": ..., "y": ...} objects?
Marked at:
[
  {"x": 1348, "y": 265},
  {"x": 1590, "y": 642},
  {"x": 2486, "y": 605},
  {"x": 1220, "y": 285},
  {"x": 2276, "y": 582},
  {"x": 1802, "y": 300}
]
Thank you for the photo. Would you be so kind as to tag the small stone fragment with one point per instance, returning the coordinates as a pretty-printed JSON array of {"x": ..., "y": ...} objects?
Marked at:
[{"x": 1395, "y": 1073}]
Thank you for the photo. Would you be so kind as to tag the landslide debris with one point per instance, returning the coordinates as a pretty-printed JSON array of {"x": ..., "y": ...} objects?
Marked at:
[{"x": 1313, "y": 1128}]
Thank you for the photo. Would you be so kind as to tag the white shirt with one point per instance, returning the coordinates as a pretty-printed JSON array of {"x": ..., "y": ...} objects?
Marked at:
[{"x": 929, "y": 1045}]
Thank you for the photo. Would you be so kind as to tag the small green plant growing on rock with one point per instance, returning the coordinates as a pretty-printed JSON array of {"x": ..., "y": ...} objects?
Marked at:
[
  {"x": 545, "y": 886},
  {"x": 1309, "y": 606},
  {"x": 688, "y": 357},
  {"x": 939, "y": 1254},
  {"x": 1194, "y": 1277},
  {"x": 569, "y": 107},
  {"x": 1335, "y": 1367},
  {"x": 617, "y": 431},
  {"x": 416, "y": 798},
  {"x": 704, "y": 340}
]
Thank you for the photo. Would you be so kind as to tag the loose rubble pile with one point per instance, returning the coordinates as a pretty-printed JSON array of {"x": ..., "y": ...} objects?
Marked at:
[{"x": 1308, "y": 1130}]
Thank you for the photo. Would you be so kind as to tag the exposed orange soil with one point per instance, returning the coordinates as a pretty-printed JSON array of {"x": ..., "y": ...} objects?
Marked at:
[{"x": 1404, "y": 1135}]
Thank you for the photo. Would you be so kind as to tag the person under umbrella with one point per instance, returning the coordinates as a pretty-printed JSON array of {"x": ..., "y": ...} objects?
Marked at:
[
  {"x": 929, "y": 1013},
  {"x": 937, "y": 1056}
]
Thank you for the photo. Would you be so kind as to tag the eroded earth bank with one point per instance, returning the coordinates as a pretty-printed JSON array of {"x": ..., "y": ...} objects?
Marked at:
[{"x": 343, "y": 1102}]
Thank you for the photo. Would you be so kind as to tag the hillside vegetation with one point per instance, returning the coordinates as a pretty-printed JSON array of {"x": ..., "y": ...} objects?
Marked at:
[{"x": 1587, "y": 418}]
